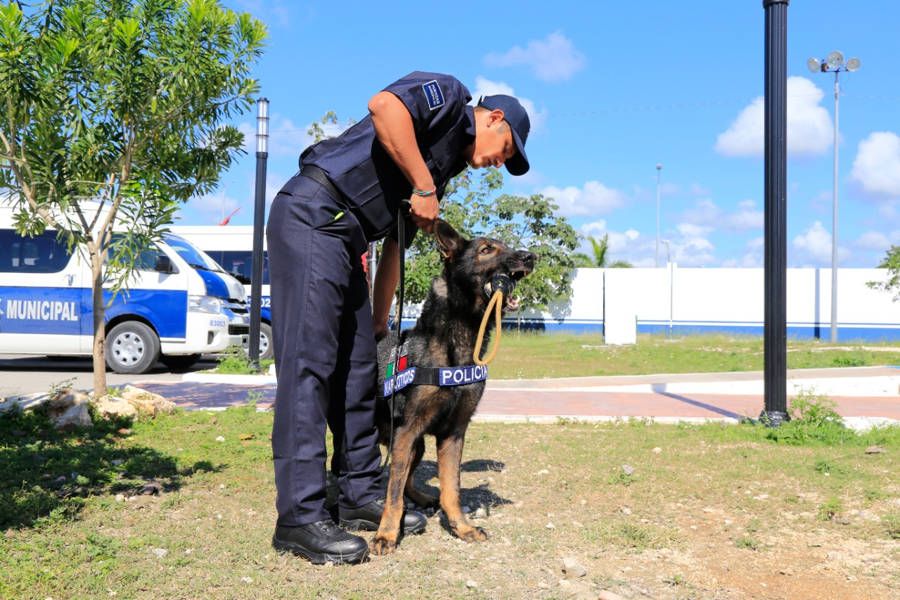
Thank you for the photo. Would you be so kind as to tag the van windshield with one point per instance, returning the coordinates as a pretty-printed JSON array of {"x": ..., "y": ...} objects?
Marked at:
[{"x": 191, "y": 254}]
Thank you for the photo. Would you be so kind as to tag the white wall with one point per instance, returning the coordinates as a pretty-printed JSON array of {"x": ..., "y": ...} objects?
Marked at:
[{"x": 729, "y": 300}]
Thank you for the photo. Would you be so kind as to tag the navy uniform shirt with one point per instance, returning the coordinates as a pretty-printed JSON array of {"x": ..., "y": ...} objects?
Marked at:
[{"x": 367, "y": 176}]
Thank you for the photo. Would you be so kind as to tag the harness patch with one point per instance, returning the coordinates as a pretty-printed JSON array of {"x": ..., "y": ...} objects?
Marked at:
[
  {"x": 433, "y": 94},
  {"x": 403, "y": 379},
  {"x": 448, "y": 376}
]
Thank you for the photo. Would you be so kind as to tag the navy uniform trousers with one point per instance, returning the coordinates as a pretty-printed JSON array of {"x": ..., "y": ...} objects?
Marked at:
[{"x": 324, "y": 353}]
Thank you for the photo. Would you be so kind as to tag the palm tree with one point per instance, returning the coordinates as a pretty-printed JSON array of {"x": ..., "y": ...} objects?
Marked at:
[
  {"x": 601, "y": 258},
  {"x": 600, "y": 247}
]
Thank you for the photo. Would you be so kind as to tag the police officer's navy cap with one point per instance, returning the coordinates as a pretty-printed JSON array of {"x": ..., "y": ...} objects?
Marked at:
[{"x": 518, "y": 121}]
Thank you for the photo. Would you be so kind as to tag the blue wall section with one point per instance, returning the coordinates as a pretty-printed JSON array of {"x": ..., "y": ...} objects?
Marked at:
[{"x": 861, "y": 332}]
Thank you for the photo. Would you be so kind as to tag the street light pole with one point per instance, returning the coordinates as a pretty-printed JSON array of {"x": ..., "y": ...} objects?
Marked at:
[
  {"x": 834, "y": 214},
  {"x": 671, "y": 269},
  {"x": 658, "y": 170},
  {"x": 775, "y": 225},
  {"x": 834, "y": 63},
  {"x": 259, "y": 219}
]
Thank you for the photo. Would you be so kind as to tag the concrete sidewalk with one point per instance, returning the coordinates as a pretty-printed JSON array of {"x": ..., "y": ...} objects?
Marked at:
[{"x": 865, "y": 396}]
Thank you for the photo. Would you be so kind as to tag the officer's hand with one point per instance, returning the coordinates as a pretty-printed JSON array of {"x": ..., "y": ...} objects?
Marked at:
[
  {"x": 424, "y": 210},
  {"x": 380, "y": 332}
]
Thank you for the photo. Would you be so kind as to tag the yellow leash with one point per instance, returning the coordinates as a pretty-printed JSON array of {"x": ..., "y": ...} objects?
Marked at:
[{"x": 495, "y": 304}]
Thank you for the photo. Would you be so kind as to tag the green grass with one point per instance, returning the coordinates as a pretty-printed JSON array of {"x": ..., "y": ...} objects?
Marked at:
[
  {"x": 714, "y": 492},
  {"x": 536, "y": 355},
  {"x": 235, "y": 361}
]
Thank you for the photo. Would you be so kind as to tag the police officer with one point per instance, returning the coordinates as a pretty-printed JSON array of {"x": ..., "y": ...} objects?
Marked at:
[{"x": 419, "y": 133}]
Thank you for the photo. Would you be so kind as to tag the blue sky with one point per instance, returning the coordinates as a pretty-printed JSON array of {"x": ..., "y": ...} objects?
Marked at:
[{"x": 613, "y": 88}]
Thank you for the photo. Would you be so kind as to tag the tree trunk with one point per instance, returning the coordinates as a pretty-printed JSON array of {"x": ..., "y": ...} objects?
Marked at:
[{"x": 99, "y": 348}]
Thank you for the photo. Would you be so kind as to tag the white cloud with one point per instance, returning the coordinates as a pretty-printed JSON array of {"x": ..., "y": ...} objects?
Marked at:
[
  {"x": 486, "y": 87},
  {"x": 594, "y": 229},
  {"x": 873, "y": 240},
  {"x": 809, "y": 126},
  {"x": 552, "y": 59},
  {"x": 625, "y": 245},
  {"x": 814, "y": 244},
  {"x": 877, "y": 164},
  {"x": 591, "y": 199},
  {"x": 752, "y": 257},
  {"x": 747, "y": 217},
  {"x": 698, "y": 190},
  {"x": 277, "y": 12},
  {"x": 706, "y": 213},
  {"x": 691, "y": 230},
  {"x": 693, "y": 251},
  {"x": 213, "y": 207},
  {"x": 285, "y": 137}
]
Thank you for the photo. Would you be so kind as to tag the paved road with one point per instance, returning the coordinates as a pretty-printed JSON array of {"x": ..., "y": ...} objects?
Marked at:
[
  {"x": 21, "y": 374},
  {"x": 541, "y": 404},
  {"x": 863, "y": 393},
  {"x": 868, "y": 394}
]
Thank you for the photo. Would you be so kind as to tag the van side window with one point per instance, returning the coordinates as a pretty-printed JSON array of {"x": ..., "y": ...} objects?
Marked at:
[
  {"x": 146, "y": 260},
  {"x": 239, "y": 263},
  {"x": 39, "y": 254}
]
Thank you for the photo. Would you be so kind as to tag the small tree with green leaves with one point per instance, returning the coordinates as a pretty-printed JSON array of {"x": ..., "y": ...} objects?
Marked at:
[
  {"x": 113, "y": 112},
  {"x": 891, "y": 262},
  {"x": 518, "y": 221},
  {"x": 316, "y": 129}
]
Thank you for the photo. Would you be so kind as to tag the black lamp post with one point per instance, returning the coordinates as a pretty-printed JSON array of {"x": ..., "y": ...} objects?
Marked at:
[
  {"x": 775, "y": 289},
  {"x": 259, "y": 219}
]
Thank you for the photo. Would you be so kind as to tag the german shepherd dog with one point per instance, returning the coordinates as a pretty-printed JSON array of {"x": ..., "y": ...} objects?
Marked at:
[{"x": 444, "y": 336}]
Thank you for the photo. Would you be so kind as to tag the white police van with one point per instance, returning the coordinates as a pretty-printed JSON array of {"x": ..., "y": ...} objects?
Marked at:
[
  {"x": 232, "y": 247},
  {"x": 179, "y": 304}
]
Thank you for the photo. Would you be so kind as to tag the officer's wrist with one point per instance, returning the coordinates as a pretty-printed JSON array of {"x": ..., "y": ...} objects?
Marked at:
[{"x": 424, "y": 192}]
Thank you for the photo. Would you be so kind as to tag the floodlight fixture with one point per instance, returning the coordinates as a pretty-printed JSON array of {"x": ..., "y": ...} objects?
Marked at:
[
  {"x": 814, "y": 65},
  {"x": 834, "y": 60},
  {"x": 853, "y": 64}
]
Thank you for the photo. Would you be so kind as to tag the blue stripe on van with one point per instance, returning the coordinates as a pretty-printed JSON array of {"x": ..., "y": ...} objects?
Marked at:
[
  {"x": 165, "y": 310},
  {"x": 69, "y": 311},
  {"x": 44, "y": 310}
]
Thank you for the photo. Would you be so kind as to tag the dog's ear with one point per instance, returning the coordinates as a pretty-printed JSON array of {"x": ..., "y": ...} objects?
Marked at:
[{"x": 449, "y": 242}]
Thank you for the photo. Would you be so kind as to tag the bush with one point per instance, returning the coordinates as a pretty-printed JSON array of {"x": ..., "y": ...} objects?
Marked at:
[
  {"x": 234, "y": 361},
  {"x": 813, "y": 420}
]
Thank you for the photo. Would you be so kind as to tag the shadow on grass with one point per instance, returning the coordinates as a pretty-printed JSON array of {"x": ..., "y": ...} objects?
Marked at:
[
  {"x": 46, "y": 473},
  {"x": 480, "y": 495}
]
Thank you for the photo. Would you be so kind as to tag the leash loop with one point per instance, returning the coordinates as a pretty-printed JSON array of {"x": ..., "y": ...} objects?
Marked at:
[{"x": 495, "y": 304}]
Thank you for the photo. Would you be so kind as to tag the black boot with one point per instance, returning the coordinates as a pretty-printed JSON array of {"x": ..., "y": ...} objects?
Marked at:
[
  {"x": 368, "y": 517},
  {"x": 320, "y": 542}
]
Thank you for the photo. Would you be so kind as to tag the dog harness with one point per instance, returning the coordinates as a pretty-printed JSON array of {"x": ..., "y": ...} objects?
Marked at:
[{"x": 439, "y": 376}]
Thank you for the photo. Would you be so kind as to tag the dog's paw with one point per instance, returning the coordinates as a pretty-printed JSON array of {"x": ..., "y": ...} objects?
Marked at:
[
  {"x": 472, "y": 534},
  {"x": 382, "y": 546}
]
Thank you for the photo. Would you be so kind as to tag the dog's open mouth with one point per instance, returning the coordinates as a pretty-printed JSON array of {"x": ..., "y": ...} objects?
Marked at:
[{"x": 506, "y": 282}]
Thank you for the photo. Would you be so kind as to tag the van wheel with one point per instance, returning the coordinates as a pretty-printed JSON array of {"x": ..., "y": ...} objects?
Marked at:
[
  {"x": 131, "y": 347},
  {"x": 179, "y": 362},
  {"x": 266, "y": 349}
]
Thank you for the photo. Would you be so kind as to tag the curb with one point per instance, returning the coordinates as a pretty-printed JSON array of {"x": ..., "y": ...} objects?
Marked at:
[
  {"x": 882, "y": 386},
  {"x": 854, "y": 423}
]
